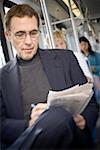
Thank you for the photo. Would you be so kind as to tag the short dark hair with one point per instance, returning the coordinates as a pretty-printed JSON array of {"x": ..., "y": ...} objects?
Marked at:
[{"x": 20, "y": 11}]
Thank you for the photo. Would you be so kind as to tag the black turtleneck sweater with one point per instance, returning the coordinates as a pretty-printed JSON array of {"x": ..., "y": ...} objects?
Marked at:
[{"x": 34, "y": 83}]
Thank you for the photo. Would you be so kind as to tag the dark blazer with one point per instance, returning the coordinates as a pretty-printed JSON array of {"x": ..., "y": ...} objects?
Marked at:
[{"x": 62, "y": 70}]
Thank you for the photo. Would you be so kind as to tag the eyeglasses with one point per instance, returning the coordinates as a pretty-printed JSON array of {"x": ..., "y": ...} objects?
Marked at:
[{"x": 21, "y": 35}]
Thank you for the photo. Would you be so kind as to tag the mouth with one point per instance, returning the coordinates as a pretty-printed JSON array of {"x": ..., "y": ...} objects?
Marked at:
[{"x": 28, "y": 50}]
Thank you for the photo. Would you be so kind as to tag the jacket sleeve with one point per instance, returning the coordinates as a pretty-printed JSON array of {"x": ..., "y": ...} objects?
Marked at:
[
  {"x": 10, "y": 128},
  {"x": 91, "y": 111},
  {"x": 77, "y": 75}
]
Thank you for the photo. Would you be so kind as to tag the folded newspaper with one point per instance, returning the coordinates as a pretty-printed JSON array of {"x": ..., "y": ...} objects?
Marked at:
[{"x": 74, "y": 99}]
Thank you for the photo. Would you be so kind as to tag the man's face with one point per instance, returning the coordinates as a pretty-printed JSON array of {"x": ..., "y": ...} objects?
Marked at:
[{"x": 24, "y": 36}]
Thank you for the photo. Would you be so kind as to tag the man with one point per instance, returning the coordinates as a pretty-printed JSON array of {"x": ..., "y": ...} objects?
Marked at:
[{"x": 28, "y": 78}]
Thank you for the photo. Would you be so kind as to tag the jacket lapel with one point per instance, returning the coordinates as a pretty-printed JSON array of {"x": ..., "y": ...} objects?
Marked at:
[{"x": 13, "y": 87}]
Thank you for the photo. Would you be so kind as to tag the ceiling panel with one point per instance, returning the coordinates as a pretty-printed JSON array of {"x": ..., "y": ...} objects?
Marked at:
[{"x": 90, "y": 7}]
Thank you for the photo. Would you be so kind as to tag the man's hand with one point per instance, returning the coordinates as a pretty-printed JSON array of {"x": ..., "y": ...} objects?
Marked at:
[
  {"x": 90, "y": 80},
  {"x": 36, "y": 111},
  {"x": 80, "y": 121}
]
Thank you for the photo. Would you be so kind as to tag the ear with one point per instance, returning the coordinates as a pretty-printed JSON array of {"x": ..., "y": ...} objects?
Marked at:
[{"x": 8, "y": 35}]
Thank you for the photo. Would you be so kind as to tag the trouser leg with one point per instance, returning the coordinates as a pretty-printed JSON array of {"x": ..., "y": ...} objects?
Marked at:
[{"x": 57, "y": 129}]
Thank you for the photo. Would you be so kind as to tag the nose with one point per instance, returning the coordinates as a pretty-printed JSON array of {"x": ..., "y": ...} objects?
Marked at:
[{"x": 28, "y": 39}]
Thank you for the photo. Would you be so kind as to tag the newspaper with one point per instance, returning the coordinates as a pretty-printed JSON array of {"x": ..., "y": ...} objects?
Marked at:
[{"x": 73, "y": 99}]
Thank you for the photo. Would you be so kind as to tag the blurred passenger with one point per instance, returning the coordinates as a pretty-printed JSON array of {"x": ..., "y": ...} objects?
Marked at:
[
  {"x": 93, "y": 60},
  {"x": 61, "y": 43},
  {"x": 27, "y": 79},
  {"x": 59, "y": 39}
]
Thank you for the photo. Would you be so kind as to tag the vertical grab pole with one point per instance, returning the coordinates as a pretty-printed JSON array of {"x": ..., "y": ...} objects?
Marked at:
[
  {"x": 47, "y": 23},
  {"x": 74, "y": 27}
]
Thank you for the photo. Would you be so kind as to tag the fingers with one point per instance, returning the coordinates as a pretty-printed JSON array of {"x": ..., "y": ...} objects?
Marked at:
[
  {"x": 40, "y": 106},
  {"x": 90, "y": 80},
  {"x": 80, "y": 121},
  {"x": 38, "y": 109},
  {"x": 36, "y": 112},
  {"x": 32, "y": 121}
]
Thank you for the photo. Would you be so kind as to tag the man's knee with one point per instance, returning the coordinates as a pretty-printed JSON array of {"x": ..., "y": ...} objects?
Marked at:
[{"x": 57, "y": 129}]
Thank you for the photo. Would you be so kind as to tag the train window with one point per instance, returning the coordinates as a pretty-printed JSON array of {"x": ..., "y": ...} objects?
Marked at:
[
  {"x": 2, "y": 59},
  {"x": 61, "y": 22},
  {"x": 12, "y": 52},
  {"x": 6, "y": 9}
]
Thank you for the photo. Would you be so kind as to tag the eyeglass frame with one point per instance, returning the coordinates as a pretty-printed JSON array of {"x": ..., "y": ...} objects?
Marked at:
[{"x": 24, "y": 34}]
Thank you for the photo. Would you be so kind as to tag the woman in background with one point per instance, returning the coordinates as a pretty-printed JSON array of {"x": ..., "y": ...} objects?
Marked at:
[
  {"x": 59, "y": 39},
  {"x": 93, "y": 60}
]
